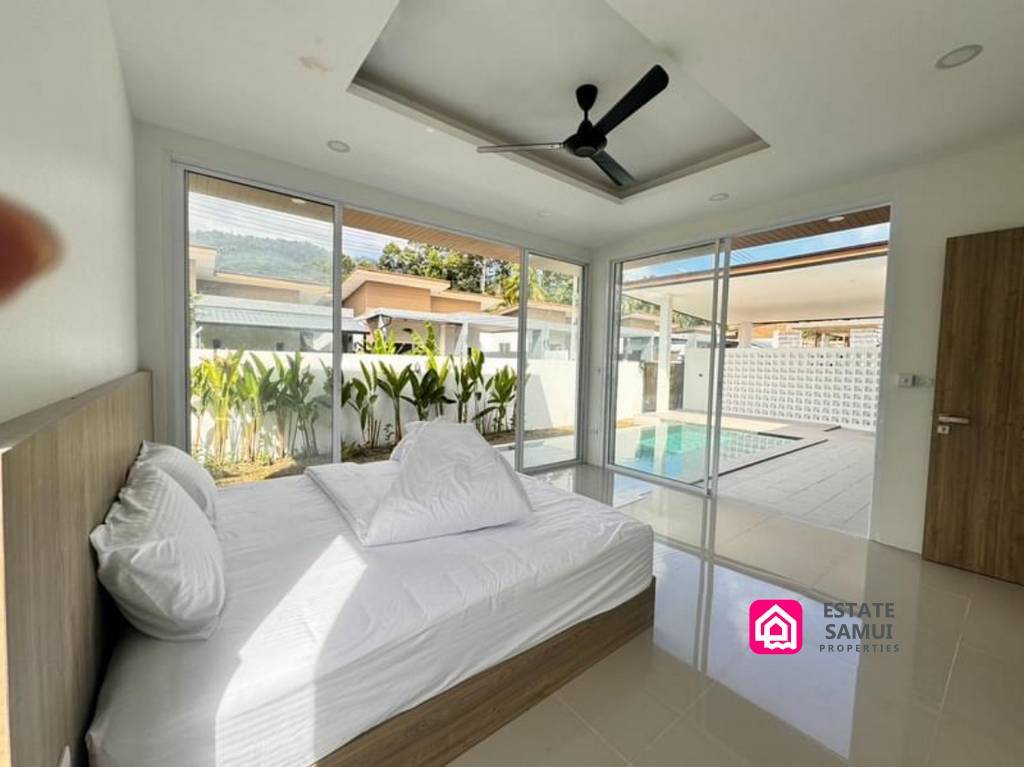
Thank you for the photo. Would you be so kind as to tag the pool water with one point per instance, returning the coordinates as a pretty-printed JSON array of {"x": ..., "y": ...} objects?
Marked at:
[{"x": 677, "y": 450}]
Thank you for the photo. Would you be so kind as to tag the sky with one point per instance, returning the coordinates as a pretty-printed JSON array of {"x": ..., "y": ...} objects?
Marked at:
[
  {"x": 773, "y": 251},
  {"x": 217, "y": 214}
]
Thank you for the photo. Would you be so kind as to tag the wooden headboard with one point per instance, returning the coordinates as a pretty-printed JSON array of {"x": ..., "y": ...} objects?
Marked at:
[{"x": 60, "y": 469}]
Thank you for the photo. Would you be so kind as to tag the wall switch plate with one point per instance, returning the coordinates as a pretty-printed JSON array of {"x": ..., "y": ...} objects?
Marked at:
[
  {"x": 65, "y": 757},
  {"x": 912, "y": 380}
]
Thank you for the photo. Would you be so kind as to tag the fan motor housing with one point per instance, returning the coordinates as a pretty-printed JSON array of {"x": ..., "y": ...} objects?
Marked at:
[{"x": 586, "y": 142}]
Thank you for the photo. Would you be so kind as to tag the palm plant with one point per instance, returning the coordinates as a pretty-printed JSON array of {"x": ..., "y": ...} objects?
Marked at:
[
  {"x": 393, "y": 383},
  {"x": 200, "y": 401},
  {"x": 502, "y": 388},
  {"x": 425, "y": 345},
  {"x": 468, "y": 380},
  {"x": 380, "y": 342},
  {"x": 428, "y": 391},
  {"x": 280, "y": 405},
  {"x": 441, "y": 369},
  {"x": 297, "y": 383},
  {"x": 222, "y": 374},
  {"x": 362, "y": 398},
  {"x": 365, "y": 402},
  {"x": 255, "y": 390},
  {"x": 292, "y": 406}
]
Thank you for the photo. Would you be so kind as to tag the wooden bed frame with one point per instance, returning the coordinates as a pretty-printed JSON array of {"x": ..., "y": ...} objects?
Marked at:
[{"x": 60, "y": 469}]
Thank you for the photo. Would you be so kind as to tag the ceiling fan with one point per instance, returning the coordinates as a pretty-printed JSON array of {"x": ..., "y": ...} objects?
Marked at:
[{"x": 590, "y": 139}]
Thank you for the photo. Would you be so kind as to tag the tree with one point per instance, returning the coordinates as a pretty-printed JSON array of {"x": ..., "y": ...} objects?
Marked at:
[
  {"x": 267, "y": 256},
  {"x": 462, "y": 270},
  {"x": 349, "y": 265}
]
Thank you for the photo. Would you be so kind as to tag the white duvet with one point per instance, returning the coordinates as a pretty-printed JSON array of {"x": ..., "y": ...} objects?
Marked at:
[
  {"x": 450, "y": 481},
  {"x": 322, "y": 638}
]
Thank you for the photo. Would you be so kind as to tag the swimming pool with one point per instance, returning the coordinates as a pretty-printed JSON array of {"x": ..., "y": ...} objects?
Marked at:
[{"x": 676, "y": 450}]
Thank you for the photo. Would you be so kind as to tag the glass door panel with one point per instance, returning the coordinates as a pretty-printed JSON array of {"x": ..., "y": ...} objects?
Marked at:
[
  {"x": 664, "y": 359},
  {"x": 552, "y": 352},
  {"x": 260, "y": 330},
  {"x": 431, "y": 324}
]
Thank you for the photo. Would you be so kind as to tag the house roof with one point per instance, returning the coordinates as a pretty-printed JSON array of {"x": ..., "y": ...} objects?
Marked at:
[
  {"x": 480, "y": 319},
  {"x": 358, "y": 277},
  {"x": 437, "y": 287},
  {"x": 228, "y": 310}
]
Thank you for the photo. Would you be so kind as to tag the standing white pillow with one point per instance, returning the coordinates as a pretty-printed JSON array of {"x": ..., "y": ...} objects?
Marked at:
[
  {"x": 411, "y": 433},
  {"x": 451, "y": 481},
  {"x": 184, "y": 470},
  {"x": 160, "y": 559}
]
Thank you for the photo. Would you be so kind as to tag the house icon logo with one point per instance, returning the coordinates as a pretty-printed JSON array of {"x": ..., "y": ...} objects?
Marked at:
[{"x": 776, "y": 626}]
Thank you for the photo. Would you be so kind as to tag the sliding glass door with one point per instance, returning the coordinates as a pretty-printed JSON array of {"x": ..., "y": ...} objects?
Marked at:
[
  {"x": 552, "y": 352},
  {"x": 664, "y": 358},
  {"x": 308, "y": 341},
  {"x": 260, "y": 329}
]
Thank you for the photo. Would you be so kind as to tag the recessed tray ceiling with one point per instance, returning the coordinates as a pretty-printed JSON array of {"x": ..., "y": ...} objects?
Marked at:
[{"x": 507, "y": 73}]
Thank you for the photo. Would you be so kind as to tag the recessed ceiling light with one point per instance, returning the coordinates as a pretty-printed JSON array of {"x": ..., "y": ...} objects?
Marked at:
[
  {"x": 337, "y": 146},
  {"x": 543, "y": 214},
  {"x": 719, "y": 196},
  {"x": 835, "y": 219},
  {"x": 958, "y": 56}
]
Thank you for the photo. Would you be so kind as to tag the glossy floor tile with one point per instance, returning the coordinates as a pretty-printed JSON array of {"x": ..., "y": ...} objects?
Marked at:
[{"x": 945, "y": 688}]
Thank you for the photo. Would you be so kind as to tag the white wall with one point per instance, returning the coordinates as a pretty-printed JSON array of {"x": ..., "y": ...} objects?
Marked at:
[
  {"x": 161, "y": 340},
  {"x": 66, "y": 152},
  {"x": 550, "y": 392},
  {"x": 976, "y": 191}
]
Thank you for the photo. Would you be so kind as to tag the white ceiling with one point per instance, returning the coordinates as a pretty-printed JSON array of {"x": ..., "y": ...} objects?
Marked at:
[
  {"x": 841, "y": 290},
  {"x": 529, "y": 56},
  {"x": 838, "y": 90}
]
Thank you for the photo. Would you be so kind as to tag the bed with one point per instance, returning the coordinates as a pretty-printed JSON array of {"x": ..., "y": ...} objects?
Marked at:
[{"x": 330, "y": 653}]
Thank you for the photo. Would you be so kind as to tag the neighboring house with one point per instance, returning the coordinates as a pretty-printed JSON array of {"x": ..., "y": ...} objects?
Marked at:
[
  {"x": 232, "y": 310},
  {"x": 235, "y": 310},
  {"x": 229, "y": 322},
  {"x": 404, "y": 304}
]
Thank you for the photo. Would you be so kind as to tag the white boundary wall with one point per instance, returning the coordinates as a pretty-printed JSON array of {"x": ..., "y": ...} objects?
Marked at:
[{"x": 550, "y": 391}]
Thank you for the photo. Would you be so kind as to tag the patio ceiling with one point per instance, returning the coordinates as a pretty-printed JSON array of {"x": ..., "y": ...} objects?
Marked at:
[{"x": 837, "y": 290}]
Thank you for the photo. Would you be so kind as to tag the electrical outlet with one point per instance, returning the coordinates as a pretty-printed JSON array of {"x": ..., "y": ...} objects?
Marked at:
[{"x": 65, "y": 757}]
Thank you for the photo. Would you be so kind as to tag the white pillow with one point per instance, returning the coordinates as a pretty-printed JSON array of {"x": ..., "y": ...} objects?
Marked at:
[
  {"x": 184, "y": 470},
  {"x": 160, "y": 559},
  {"x": 355, "y": 488},
  {"x": 451, "y": 481},
  {"x": 410, "y": 433}
]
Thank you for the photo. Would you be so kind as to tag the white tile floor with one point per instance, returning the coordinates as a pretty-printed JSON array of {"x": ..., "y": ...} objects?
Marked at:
[{"x": 690, "y": 692}]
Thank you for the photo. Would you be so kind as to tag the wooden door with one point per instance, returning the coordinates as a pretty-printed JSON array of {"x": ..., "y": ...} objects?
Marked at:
[{"x": 975, "y": 510}]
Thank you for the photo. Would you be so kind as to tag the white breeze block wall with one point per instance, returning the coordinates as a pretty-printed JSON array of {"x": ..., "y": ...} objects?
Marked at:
[{"x": 833, "y": 386}]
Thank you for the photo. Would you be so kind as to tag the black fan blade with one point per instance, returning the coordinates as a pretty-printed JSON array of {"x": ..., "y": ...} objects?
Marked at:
[
  {"x": 612, "y": 169},
  {"x": 520, "y": 147},
  {"x": 646, "y": 88}
]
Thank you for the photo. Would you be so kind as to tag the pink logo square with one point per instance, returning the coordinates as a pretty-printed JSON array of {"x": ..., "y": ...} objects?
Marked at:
[{"x": 776, "y": 626}]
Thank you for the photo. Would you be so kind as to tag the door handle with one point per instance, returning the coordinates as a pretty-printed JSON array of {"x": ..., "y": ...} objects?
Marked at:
[{"x": 953, "y": 419}]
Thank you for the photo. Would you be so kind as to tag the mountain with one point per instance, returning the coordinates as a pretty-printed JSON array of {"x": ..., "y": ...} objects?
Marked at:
[{"x": 267, "y": 256}]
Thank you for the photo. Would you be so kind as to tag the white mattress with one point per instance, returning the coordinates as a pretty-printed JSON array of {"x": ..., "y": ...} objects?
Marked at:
[{"x": 322, "y": 639}]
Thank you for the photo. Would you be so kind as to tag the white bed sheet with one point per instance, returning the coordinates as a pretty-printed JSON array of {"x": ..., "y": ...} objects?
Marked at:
[{"x": 321, "y": 638}]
